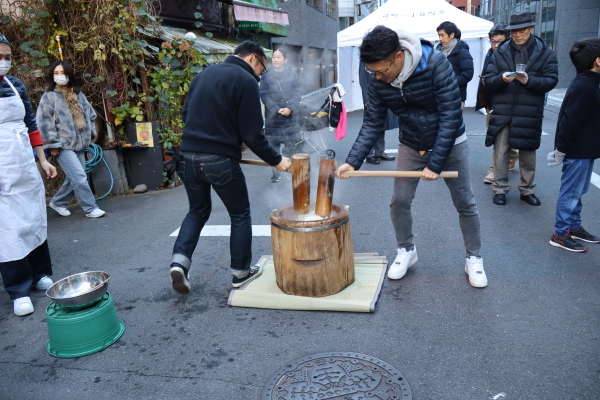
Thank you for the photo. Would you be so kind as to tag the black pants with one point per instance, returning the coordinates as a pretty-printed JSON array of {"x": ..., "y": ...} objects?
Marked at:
[{"x": 20, "y": 276}]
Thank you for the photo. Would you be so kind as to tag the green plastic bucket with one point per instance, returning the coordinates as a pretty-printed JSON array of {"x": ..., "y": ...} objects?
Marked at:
[{"x": 83, "y": 330}]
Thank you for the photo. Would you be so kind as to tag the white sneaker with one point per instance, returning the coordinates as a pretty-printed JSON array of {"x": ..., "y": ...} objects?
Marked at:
[
  {"x": 97, "y": 213},
  {"x": 44, "y": 283},
  {"x": 61, "y": 210},
  {"x": 403, "y": 260},
  {"x": 483, "y": 111},
  {"x": 474, "y": 268},
  {"x": 23, "y": 306}
]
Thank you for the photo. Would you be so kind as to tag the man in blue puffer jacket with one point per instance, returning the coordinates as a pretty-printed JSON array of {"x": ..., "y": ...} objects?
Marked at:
[{"x": 416, "y": 82}]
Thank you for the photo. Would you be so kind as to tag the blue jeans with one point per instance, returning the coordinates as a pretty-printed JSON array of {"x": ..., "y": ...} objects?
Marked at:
[
  {"x": 574, "y": 183},
  {"x": 200, "y": 172},
  {"x": 76, "y": 184}
]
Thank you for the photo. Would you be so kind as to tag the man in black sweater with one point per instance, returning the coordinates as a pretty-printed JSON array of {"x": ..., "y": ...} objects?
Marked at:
[{"x": 221, "y": 112}]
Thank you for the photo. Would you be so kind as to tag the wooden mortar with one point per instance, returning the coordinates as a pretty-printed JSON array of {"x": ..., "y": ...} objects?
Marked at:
[{"x": 312, "y": 258}]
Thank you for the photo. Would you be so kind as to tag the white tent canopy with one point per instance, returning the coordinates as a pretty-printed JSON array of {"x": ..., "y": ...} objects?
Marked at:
[{"x": 421, "y": 18}]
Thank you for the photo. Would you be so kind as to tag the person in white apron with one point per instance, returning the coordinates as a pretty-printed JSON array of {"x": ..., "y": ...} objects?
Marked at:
[{"x": 24, "y": 256}]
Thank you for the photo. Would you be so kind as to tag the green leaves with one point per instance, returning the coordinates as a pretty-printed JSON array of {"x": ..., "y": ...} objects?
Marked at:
[{"x": 174, "y": 63}]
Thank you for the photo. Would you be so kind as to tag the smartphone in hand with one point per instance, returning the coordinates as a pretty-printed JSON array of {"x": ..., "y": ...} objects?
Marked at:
[
  {"x": 510, "y": 75},
  {"x": 520, "y": 74}
]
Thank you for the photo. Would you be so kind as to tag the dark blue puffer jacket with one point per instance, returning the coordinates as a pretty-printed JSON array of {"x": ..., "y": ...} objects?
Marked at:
[
  {"x": 462, "y": 65},
  {"x": 281, "y": 90},
  {"x": 427, "y": 106}
]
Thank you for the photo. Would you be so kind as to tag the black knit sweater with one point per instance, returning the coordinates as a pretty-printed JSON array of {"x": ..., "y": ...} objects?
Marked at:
[{"x": 223, "y": 110}]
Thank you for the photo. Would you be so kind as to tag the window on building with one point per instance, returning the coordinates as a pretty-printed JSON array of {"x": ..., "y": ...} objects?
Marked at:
[
  {"x": 318, "y": 4},
  {"x": 331, "y": 8},
  {"x": 332, "y": 65},
  {"x": 548, "y": 17},
  {"x": 314, "y": 71}
]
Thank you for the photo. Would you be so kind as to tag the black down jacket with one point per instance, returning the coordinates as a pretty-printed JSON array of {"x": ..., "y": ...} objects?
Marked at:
[
  {"x": 462, "y": 65},
  {"x": 280, "y": 90},
  {"x": 427, "y": 106},
  {"x": 516, "y": 105}
]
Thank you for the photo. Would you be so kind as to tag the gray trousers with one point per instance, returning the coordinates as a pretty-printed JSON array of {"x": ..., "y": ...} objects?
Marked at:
[
  {"x": 76, "y": 183},
  {"x": 526, "y": 166},
  {"x": 379, "y": 147},
  {"x": 460, "y": 191}
]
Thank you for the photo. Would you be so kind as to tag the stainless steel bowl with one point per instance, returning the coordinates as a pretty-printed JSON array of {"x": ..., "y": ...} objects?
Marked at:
[{"x": 79, "y": 288}]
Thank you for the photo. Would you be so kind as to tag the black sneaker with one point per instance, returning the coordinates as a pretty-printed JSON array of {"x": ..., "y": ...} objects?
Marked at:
[
  {"x": 567, "y": 243},
  {"x": 583, "y": 235},
  {"x": 255, "y": 272},
  {"x": 179, "y": 278}
]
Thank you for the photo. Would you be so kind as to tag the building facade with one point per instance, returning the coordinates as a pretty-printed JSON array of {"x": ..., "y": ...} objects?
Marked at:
[
  {"x": 310, "y": 38},
  {"x": 469, "y": 6},
  {"x": 311, "y": 41},
  {"x": 559, "y": 22}
]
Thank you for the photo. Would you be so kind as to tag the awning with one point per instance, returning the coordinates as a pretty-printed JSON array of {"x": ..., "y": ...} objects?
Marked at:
[
  {"x": 252, "y": 12},
  {"x": 276, "y": 29}
]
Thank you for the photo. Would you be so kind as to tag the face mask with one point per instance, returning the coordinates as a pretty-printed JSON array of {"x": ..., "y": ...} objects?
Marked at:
[
  {"x": 61, "y": 79},
  {"x": 5, "y": 66}
]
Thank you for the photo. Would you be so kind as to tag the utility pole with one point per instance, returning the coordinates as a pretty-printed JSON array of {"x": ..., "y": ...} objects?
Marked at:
[{"x": 469, "y": 7}]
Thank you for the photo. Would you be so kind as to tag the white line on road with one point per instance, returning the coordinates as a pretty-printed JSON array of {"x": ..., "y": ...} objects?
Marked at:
[
  {"x": 595, "y": 180},
  {"x": 224, "y": 230}
]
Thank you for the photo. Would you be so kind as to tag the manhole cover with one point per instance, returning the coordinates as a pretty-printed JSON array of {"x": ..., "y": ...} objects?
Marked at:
[{"x": 341, "y": 376}]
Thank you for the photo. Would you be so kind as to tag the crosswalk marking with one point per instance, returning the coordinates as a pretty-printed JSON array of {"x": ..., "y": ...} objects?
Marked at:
[{"x": 225, "y": 230}]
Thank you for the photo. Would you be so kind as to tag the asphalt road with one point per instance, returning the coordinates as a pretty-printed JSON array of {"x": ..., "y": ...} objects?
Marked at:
[{"x": 531, "y": 334}]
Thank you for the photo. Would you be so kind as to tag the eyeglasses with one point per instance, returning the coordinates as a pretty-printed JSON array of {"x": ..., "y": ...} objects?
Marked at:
[
  {"x": 380, "y": 73},
  {"x": 496, "y": 42},
  {"x": 519, "y": 31},
  {"x": 265, "y": 70}
]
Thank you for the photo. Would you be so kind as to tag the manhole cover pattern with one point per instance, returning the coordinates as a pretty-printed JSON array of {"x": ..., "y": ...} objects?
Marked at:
[{"x": 340, "y": 376}]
